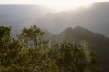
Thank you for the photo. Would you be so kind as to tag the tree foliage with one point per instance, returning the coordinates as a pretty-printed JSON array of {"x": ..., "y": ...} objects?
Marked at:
[
  {"x": 71, "y": 57},
  {"x": 30, "y": 52}
]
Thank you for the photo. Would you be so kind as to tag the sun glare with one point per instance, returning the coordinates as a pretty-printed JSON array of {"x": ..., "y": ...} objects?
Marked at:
[
  {"x": 63, "y": 5},
  {"x": 55, "y": 5}
]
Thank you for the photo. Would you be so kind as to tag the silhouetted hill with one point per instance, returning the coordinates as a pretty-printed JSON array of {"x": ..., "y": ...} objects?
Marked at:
[
  {"x": 95, "y": 18},
  {"x": 99, "y": 43}
]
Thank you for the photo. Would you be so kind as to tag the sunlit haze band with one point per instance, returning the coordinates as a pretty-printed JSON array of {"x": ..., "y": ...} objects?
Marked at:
[{"x": 57, "y": 5}]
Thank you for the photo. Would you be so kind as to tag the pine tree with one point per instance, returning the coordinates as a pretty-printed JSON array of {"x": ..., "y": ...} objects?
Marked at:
[
  {"x": 71, "y": 57},
  {"x": 36, "y": 47},
  {"x": 9, "y": 51},
  {"x": 31, "y": 52}
]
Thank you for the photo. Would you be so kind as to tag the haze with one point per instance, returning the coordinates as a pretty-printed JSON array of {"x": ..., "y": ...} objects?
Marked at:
[
  {"x": 55, "y": 5},
  {"x": 62, "y": 20},
  {"x": 94, "y": 18}
]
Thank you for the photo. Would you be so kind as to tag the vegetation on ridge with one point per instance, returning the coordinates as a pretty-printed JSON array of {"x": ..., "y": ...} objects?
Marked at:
[{"x": 30, "y": 52}]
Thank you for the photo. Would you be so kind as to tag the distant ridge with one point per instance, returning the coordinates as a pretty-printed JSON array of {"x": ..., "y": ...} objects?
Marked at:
[
  {"x": 99, "y": 42},
  {"x": 95, "y": 18}
]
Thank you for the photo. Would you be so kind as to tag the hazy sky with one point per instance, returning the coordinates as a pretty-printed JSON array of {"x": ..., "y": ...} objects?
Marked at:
[
  {"x": 46, "y": 2},
  {"x": 58, "y": 5}
]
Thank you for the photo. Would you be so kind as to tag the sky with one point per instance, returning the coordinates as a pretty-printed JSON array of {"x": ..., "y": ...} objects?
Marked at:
[
  {"x": 58, "y": 5},
  {"x": 46, "y": 2}
]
